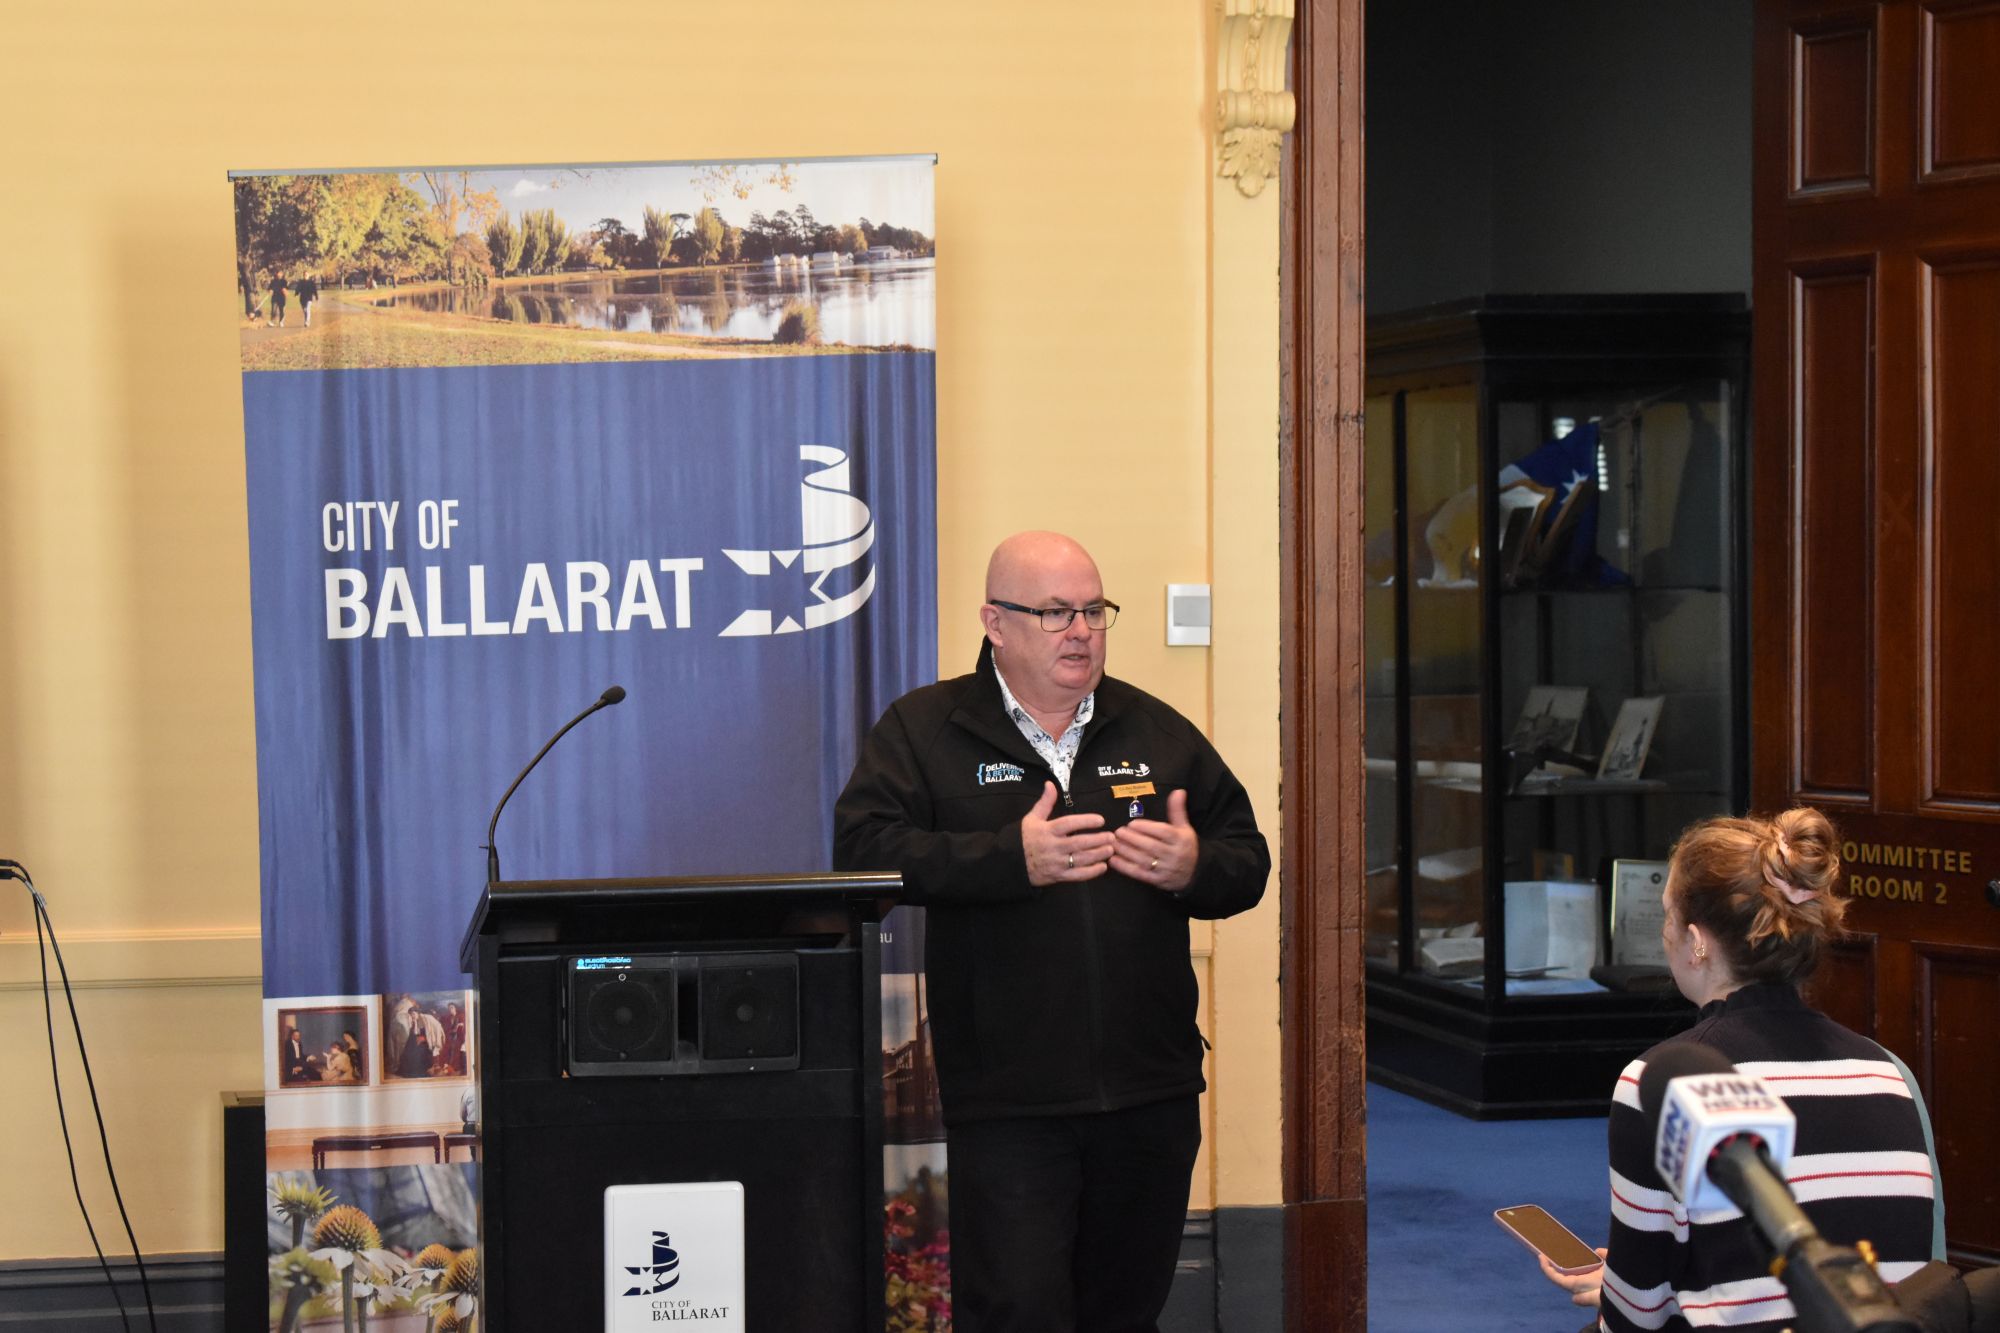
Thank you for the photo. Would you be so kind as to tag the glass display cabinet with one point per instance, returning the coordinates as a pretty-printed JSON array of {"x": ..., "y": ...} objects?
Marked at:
[{"x": 1556, "y": 678}]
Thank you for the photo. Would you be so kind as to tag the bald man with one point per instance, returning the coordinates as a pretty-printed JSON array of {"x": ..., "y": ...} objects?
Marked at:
[{"x": 1061, "y": 827}]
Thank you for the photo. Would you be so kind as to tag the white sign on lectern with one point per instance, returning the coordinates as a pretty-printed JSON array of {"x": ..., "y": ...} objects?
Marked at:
[{"x": 673, "y": 1257}]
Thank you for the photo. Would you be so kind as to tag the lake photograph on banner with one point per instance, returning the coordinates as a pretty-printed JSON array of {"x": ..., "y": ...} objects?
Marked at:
[{"x": 515, "y": 436}]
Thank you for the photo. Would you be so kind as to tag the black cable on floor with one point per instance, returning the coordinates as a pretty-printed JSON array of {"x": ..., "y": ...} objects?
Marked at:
[{"x": 15, "y": 870}]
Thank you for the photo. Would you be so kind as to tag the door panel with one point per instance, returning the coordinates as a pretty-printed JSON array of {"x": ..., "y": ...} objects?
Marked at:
[
  {"x": 1834, "y": 130},
  {"x": 1961, "y": 994},
  {"x": 1961, "y": 59},
  {"x": 1962, "y": 426},
  {"x": 1834, "y": 308},
  {"x": 1876, "y": 521}
]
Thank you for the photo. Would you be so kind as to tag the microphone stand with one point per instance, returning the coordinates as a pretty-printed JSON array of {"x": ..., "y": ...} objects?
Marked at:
[
  {"x": 615, "y": 694},
  {"x": 1834, "y": 1288}
]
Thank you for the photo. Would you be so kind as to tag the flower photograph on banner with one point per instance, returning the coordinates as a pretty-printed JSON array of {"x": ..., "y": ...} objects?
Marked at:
[
  {"x": 389, "y": 1250},
  {"x": 916, "y": 1177},
  {"x": 916, "y": 1239},
  {"x": 539, "y": 265}
]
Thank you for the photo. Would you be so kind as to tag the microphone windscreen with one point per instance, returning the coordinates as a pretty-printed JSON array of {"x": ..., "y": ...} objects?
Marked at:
[
  {"x": 1672, "y": 1061},
  {"x": 616, "y": 694}
]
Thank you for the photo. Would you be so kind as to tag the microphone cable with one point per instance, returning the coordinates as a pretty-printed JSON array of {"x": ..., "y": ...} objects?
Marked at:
[{"x": 43, "y": 946}]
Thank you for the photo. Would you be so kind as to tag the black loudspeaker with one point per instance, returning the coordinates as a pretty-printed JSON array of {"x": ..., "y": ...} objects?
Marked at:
[
  {"x": 750, "y": 1012},
  {"x": 621, "y": 1017},
  {"x": 653, "y": 1014}
]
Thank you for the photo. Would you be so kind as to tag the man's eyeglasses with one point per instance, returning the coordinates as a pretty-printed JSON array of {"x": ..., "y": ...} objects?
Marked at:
[{"x": 1056, "y": 619}]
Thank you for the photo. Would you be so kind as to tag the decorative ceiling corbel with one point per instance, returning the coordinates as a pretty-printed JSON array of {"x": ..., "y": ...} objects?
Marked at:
[{"x": 1253, "y": 108}]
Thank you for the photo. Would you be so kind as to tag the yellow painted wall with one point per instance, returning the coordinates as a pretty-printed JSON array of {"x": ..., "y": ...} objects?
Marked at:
[
  {"x": 1090, "y": 379},
  {"x": 1243, "y": 718}
]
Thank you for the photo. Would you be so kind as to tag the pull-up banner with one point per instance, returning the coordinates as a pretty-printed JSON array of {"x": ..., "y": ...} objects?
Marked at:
[{"x": 513, "y": 436}]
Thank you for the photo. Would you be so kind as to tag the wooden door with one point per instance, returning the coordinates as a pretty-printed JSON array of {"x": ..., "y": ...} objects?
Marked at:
[{"x": 1875, "y": 559}]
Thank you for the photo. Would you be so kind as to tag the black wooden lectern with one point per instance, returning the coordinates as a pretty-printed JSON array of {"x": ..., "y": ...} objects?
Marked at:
[{"x": 679, "y": 1030}]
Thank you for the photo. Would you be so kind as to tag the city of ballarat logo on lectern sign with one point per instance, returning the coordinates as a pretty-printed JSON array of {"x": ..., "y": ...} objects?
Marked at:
[
  {"x": 673, "y": 1256},
  {"x": 663, "y": 1272}
]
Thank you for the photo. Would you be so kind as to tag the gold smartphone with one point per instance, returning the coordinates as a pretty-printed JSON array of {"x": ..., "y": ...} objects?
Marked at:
[{"x": 1534, "y": 1228}]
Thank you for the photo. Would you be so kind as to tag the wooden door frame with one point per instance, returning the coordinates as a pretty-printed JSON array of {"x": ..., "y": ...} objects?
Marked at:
[{"x": 1320, "y": 504}]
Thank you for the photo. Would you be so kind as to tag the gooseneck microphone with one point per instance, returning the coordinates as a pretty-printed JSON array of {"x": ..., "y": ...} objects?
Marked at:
[
  {"x": 615, "y": 694},
  {"x": 1721, "y": 1136}
]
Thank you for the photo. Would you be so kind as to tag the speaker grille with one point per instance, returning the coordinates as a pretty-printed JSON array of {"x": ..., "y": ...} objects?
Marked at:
[
  {"x": 750, "y": 1011},
  {"x": 622, "y": 1017}
]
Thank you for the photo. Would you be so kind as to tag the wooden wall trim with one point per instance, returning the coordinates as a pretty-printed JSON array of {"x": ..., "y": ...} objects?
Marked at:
[{"x": 1321, "y": 872}]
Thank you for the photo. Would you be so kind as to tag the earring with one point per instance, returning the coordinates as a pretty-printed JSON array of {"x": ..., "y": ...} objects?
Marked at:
[{"x": 1701, "y": 953}]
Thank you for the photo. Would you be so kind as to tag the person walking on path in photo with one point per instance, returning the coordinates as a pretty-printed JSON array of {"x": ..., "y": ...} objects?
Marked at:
[
  {"x": 277, "y": 300},
  {"x": 1061, "y": 828},
  {"x": 307, "y": 290}
]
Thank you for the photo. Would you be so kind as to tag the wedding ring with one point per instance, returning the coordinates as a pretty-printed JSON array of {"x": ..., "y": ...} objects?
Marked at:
[
  {"x": 1156, "y": 863},
  {"x": 1071, "y": 858}
]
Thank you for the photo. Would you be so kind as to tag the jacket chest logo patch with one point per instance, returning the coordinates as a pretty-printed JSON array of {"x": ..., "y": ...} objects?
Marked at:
[
  {"x": 988, "y": 774},
  {"x": 1124, "y": 768}
]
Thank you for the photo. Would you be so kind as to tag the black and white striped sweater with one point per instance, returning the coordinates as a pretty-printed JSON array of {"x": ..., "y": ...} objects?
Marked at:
[{"x": 1859, "y": 1168}]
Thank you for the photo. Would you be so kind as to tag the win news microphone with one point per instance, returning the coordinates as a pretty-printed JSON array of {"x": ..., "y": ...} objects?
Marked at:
[
  {"x": 615, "y": 694},
  {"x": 1721, "y": 1137}
]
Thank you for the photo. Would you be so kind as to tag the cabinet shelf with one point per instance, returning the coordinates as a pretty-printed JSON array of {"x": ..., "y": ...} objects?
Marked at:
[
  {"x": 1563, "y": 788},
  {"x": 1424, "y": 589},
  {"x": 1568, "y": 787},
  {"x": 1615, "y": 590}
]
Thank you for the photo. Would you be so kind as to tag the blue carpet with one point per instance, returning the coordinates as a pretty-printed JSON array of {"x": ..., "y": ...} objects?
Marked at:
[{"x": 1436, "y": 1258}]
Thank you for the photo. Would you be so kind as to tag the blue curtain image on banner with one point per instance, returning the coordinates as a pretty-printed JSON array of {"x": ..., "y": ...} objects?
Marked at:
[{"x": 671, "y": 429}]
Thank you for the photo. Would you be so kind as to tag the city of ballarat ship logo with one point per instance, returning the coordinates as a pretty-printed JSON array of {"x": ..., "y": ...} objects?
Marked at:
[
  {"x": 991, "y": 773},
  {"x": 1124, "y": 768},
  {"x": 657, "y": 1280},
  {"x": 836, "y": 534},
  {"x": 662, "y": 1273}
]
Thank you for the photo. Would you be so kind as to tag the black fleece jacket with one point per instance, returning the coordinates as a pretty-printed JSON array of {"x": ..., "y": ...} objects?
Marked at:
[{"x": 1069, "y": 998}]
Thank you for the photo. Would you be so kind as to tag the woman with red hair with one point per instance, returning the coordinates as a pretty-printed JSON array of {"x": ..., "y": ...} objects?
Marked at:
[{"x": 1751, "y": 905}]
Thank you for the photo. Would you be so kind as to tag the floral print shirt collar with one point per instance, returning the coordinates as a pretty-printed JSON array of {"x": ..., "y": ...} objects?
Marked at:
[{"x": 1058, "y": 754}]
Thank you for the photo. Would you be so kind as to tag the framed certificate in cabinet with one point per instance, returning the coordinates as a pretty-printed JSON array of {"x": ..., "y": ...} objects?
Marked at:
[{"x": 1638, "y": 913}]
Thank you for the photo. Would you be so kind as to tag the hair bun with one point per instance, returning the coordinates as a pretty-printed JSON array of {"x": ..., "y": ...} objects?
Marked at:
[
  {"x": 1803, "y": 860},
  {"x": 1764, "y": 888}
]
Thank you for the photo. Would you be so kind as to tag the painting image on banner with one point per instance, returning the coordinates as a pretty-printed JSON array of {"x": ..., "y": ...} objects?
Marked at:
[{"x": 514, "y": 436}]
